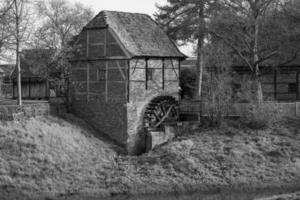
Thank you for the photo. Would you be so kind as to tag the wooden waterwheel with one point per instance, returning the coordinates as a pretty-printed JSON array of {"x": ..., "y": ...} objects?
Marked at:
[{"x": 161, "y": 110}]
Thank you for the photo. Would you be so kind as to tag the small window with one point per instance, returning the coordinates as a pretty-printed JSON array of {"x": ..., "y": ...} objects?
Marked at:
[
  {"x": 150, "y": 74},
  {"x": 292, "y": 87}
]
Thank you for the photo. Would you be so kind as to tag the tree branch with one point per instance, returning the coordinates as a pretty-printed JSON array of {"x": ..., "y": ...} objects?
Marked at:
[
  {"x": 234, "y": 48},
  {"x": 266, "y": 57}
]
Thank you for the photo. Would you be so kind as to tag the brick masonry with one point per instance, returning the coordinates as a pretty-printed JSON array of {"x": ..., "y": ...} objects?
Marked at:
[
  {"x": 100, "y": 95},
  {"x": 140, "y": 96}
]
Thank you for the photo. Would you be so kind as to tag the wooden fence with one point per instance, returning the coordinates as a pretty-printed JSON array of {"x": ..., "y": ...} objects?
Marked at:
[{"x": 192, "y": 110}]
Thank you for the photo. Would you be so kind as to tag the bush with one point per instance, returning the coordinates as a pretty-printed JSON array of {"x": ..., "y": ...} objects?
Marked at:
[
  {"x": 261, "y": 116},
  {"x": 244, "y": 89},
  {"x": 217, "y": 95}
]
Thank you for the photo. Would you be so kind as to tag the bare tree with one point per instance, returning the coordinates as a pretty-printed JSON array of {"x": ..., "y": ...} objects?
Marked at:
[
  {"x": 61, "y": 21},
  {"x": 21, "y": 18},
  {"x": 5, "y": 24},
  {"x": 255, "y": 31}
]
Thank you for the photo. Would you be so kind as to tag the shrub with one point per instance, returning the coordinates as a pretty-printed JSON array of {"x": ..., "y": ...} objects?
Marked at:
[
  {"x": 217, "y": 95},
  {"x": 244, "y": 89},
  {"x": 261, "y": 116}
]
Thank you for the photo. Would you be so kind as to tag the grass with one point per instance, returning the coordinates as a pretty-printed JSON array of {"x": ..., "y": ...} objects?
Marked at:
[
  {"x": 50, "y": 156},
  {"x": 293, "y": 196}
]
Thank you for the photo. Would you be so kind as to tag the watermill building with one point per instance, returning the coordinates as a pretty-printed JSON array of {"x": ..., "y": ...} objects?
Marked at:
[{"x": 125, "y": 76}]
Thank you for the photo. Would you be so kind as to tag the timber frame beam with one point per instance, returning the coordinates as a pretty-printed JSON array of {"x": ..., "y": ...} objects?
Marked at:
[{"x": 146, "y": 72}]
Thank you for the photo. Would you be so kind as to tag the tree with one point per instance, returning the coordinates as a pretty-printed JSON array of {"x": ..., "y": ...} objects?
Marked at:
[
  {"x": 5, "y": 24},
  {"x": 61, "y": 21},
  {"x": 185, "y": 21},
  {"x": 218, "y": 90},
  {"x": 20, "y": 16},
  {"x": 257, "y": 31},
  {"x": 290, "y": 20},
  {"x": 292, "y": 10}
]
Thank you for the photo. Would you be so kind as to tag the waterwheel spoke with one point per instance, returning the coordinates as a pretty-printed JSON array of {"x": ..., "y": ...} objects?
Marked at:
[
  {"x": 165, "y": 117},
  {"x": 161, "y": 109},
  {"x": 157, "y": 116}
]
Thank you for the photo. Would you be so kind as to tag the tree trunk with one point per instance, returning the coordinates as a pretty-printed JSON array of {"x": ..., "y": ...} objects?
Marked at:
[
  {"x": 18, "y": 53},
  {"x": 259, "y": 92},
  {"x": 200, "y": 56},
  {"x": 256, "y": 64},
  {"x": 199, "y": 64},
  {"x": 19, "y": 79}
]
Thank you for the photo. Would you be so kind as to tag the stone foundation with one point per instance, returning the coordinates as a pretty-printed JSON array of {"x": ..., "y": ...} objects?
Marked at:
[{"x": 154, "y": 139}]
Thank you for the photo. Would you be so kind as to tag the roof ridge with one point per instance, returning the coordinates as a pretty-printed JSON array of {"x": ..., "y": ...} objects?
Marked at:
[
  {"x": 95, "y": 18},
  {"x": 133, "y": 13}
]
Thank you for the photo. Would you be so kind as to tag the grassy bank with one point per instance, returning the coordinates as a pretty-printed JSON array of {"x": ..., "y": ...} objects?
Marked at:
[
  {"x": 294, "y": 196},
  {"x": 61, "y": 157},
  {"x": 52, "y": 156}
]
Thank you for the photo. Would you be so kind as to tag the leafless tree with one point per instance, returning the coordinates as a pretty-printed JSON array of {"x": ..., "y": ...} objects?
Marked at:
[
  {"x": 21, "y": 18},
  {"x": 60, "y": 22},
  {"x": 5, "y": 24},
  {"x": 256, "y": 31}
]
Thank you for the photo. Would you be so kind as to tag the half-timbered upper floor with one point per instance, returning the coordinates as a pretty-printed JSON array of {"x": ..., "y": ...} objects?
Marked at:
[{"x": 114, "y": 35}]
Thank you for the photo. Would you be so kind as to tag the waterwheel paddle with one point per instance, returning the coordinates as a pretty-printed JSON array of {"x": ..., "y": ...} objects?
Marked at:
[{"x": 161, "y": 110}]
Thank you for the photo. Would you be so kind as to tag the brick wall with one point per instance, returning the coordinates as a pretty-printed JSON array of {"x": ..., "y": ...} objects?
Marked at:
[
  {"x": 99, "y": 96},
  {"x": 96, "y": 43},
  {"x": 99, "y": 92}
]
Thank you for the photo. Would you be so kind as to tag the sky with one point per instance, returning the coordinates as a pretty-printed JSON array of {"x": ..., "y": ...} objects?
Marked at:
[{"x": 137, "y": 6}]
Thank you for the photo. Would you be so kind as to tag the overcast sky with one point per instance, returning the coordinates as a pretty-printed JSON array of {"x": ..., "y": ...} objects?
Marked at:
[{"x": 138, "y": 6}]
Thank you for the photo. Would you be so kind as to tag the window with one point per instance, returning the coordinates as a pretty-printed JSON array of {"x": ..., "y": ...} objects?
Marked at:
[
  {"x": 292, "y": 88},
  {"x": 150, "y": 74}
]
